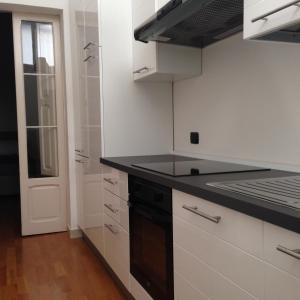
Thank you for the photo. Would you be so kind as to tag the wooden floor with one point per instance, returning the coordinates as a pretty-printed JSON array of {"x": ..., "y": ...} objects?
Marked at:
[{"x": 48, "y": 266}]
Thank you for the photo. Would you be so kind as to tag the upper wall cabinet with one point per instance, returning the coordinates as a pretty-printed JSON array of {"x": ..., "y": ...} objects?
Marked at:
[
  {"x": 157, "y": 61},
  {"x": 265, "y": 19}
]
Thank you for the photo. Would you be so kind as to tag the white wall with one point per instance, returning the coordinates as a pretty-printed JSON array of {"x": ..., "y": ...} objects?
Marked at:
[
  {"x": 57, "y": 7},
  {"x": 137, "y": 116},
  {"x": 246, "y": 105}
]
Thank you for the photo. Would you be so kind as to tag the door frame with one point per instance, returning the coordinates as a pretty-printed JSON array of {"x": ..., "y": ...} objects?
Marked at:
[{"x": 21, "y": 114}]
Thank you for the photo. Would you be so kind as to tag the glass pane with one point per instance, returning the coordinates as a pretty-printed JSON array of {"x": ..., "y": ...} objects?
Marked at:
[
  {"x": 40, "y": 100},
  {"x": 38, "y": 47},
  {"x": 42, "y": 152}
]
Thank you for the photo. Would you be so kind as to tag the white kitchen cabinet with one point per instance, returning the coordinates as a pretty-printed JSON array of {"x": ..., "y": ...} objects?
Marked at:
[
  {"x": 280, "y": 285},
  {"x": 214, "y": 261},
  {"x": 93, "y": 209},
  {"x": 88, "y": 119},
  {"x": 116, "y": 182},
  {"x": 274, "y": 237},
  {"x": 208, "y": 251},
  {"x": 79, "y": 193},
  {"x": 116, "y": 208},
  {"x": 161, "y": 62},
  {"x": 117, "y": 249},
  {"x": 286, "y": 16},
  {"x": 235, "y": 228},
  {"x": 137, "y": 291}
]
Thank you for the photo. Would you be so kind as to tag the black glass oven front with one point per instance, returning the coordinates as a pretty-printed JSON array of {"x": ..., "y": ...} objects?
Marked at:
[{"x": 151, "y": 237}]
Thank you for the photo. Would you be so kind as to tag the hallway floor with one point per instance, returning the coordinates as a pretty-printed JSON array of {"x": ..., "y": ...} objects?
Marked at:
[{"x": 48, "y": 266}]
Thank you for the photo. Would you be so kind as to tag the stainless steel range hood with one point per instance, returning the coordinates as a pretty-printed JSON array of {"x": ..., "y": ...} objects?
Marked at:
[{"x": 195, "y": 23}]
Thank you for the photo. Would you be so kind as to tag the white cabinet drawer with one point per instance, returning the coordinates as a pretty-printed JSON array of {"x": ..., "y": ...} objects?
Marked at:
[
  {"x": 208, "y": 283},
  {"x": 275, "y": 236},
  {"x": 221, "y": 256},
  {"x": 117, "y": 209},
  {"x": 283, "y": 18},
  {"x": 280, "y": 285},
  {"x": 137, "y": 291},
  {"x": 183, "y": 290},
  {"x": 116, "y": 182},
  {"x": 236, "y": 228},
  {"x": 117, "y": 248},
  {"x": 112, "y": 205}
]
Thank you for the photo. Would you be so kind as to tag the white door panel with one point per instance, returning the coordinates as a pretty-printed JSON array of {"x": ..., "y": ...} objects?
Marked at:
[{"x": 41, "y": 126}]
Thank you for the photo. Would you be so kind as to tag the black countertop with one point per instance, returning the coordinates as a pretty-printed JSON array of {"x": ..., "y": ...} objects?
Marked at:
[{"x": 196, "y": 185}]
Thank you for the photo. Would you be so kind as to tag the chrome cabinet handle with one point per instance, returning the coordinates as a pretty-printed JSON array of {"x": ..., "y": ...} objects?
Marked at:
[
  {"x": 194, "y": 209},
  {"x": 109, "y": 206},
  {"x": 142, "y": 70},
  {"x": 89, "y": 57},
  {"x": 84, "y": 156},
  {"x": 110, "y": 181},
  {"x": 81, "y": 161},
  {"x": 276, "y": 10},
  {"x": 111, "y": 228},
  {"x": 90, "y": 44},
  {"x": 293, "y": 253}
]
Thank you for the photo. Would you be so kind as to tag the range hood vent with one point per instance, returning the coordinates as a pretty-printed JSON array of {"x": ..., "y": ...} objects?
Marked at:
[{"x": 195, "y": 23}]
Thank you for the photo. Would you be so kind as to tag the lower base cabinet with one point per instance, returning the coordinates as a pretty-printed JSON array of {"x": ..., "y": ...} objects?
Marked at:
[
  {"x": 212, "y": 260},
  {"x": 233, "y": 259},
  {"x": 137, "y": 291},
  {"x": 117, "y": 249}
]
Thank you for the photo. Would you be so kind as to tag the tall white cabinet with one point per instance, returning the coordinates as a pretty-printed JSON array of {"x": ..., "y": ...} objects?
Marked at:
[{"x": 88, "y": 121}]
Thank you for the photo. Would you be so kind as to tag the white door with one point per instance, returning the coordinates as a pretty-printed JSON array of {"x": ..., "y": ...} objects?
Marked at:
[{"x": 42, "y": 134}]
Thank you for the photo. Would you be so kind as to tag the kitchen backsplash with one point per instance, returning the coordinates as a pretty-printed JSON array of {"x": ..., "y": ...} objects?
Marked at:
[{"x": 246, "y": 105}]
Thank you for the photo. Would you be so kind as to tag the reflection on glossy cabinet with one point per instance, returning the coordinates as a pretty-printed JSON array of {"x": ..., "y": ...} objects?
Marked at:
[{"x": 88, "y": 120}]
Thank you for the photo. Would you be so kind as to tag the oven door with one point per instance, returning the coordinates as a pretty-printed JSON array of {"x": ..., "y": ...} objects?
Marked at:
[{"x": 151, "y": 250}]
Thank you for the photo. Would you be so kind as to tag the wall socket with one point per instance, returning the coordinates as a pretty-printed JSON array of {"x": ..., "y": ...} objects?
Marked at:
[{"x": 194, "y": 138}]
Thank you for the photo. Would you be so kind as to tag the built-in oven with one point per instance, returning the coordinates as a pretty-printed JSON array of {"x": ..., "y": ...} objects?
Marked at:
[{"x": 151, "y": 237}]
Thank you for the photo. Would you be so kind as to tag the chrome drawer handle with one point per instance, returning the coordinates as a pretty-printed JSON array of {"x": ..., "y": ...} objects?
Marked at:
[
  {"x": 81, "y": 155},
  {"x": 111, "y": 228},
  {"x": 142, "y": 70},
  {"x": 109, "y": 206},
  {"x": 88, "y": 58},
  {"x": 274, "y": 11},
  {"x": 81, "y": 161},
  {"x": 194, "y": 209},
  {"x": 87, "y": 47},
  {"x": 110, "y": 181},
  {"x": 294, "y": 253}
]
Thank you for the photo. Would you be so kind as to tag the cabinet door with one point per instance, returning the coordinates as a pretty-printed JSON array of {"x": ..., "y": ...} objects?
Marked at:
[
  {"x": 280, "y": 285},
  {"x": 117, "y": 249},
  {"x": 144, "y": 55},
  {"x": 93, "y": 209},
  {"x": 79, "y": 193},
  {"x": 286, "y": 16}
]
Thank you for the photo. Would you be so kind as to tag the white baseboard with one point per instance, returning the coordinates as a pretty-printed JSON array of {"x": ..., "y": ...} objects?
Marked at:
[{"x": 75, "y": 233}]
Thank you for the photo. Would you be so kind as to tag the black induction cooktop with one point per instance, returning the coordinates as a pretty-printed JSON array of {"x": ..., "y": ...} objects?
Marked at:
[{"x": 195, "y": 167}]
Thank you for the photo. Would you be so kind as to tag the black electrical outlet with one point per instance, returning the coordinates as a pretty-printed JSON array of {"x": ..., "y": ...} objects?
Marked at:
[{"x": 194, "y": 138}]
